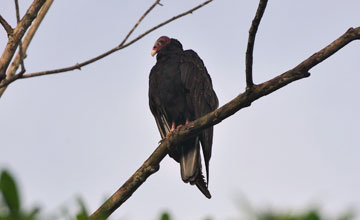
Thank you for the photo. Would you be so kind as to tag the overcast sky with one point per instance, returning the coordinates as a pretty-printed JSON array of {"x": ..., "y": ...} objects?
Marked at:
[{"x": 83, "y": 133}]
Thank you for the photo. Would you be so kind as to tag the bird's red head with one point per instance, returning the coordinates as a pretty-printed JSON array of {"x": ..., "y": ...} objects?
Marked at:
[{"x": 160, "y": 43}]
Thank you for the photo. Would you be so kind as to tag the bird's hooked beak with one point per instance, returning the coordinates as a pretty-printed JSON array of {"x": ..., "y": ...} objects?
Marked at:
[
  {"x": 153, "y": 52},
  {"x": 159, "y": 44}
]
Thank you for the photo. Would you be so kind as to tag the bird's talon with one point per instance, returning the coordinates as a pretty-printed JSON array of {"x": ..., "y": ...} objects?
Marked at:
[{"x": 178, "y": 127}]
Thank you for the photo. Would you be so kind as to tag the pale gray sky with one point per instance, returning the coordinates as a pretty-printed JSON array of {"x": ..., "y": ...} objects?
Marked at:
[{"x": 85, "y": 132}]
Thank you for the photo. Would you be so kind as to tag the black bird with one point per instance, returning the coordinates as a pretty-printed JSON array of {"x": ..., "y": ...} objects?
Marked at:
[{"x": 180, "y": 91}]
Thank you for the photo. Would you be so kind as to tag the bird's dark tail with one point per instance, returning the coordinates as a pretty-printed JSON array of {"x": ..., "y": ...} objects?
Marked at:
[
  {"x": 190, "y": 165},
  {"x": 202, "y": 185}
]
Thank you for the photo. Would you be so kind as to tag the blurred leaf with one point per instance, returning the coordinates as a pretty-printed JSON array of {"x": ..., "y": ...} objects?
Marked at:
[
  {"x": 311, "y": 215},
  {"x": 83, "y": 213},
  {"x": 33, "y": 214},
  {"x": 81, "y": 216},
  {"x": 10, "y": 192},
  {"x": 165, "y": 216}
]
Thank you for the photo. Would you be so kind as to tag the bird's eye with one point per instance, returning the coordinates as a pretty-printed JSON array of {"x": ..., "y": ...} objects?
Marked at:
[{"x": 159, "y": 43}]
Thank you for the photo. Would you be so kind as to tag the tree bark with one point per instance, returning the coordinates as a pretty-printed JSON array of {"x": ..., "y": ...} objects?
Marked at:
[
  {"x": 26, "y": 42},
  {"x": 17, "y": 34}
]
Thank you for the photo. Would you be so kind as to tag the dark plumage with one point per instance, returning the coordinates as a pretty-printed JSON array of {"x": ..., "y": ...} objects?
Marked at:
[{"x": 180, "y": 91}]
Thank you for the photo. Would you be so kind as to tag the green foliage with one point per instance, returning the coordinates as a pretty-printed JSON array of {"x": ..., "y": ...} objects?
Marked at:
[
  {"x": 10, "y": 193},
  {"x": 83, "y": 213},
  {"x": 11, "y": 208},
  {"x": 312, "y": 214},
  {"x": 10, "y": 203},
  {"x": 165, "y": 216}
]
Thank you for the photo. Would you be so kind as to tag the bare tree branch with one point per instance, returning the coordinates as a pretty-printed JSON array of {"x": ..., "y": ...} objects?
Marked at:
[
  {"x": 10, "y": 74},
  {"x": 5, "y": 83},
  {"x": 6, "y": 26},
  {"x": 20, "y": 43},
  {"x": 139, "y": 21},
  {"x": 119, "y": 47},
  {"x": 251, "y": 42},
  {"x": 122, "y": 45},
  {"x": 151, "y": 165},
  {"x": 17, "y": 10},
  {"x": 17, "y": 34}
]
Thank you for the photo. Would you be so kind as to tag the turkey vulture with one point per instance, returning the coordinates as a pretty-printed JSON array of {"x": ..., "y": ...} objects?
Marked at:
[{"x": 180, "y": 90}]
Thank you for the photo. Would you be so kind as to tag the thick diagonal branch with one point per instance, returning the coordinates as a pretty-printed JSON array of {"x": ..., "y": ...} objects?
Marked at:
[
  {"x": 243, "y": 100},
  {"x": 251, "y": 41},
  {"x": 17, "y": 34}
]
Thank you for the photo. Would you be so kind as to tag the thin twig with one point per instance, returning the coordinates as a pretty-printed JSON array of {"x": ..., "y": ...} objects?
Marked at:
[
  {"x": 151, "y": 165},
  {"x": 17, "y": 11},
  {"x": 119, "y": 47},
  {"x": 6, "y": 25},
  {"x": 20, "y": 43},
  {"x": 139, "y": 21},
  {"x": 251, "y": 41}
]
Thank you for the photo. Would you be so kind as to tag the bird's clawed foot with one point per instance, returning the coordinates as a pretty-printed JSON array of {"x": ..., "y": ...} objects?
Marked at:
[
  {"x": 171, "y": 132},
  {"x": 172, "y": 129},
  {"x": 180, "y": 126}
]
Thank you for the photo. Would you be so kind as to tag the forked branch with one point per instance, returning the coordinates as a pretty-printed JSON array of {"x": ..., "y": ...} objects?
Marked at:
[
  {"x": 10, "y": 73},
  {"x": 122, "y": 45},
  {"x": 251, "y": 41},
  {"x": 17, "y": 34}
]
